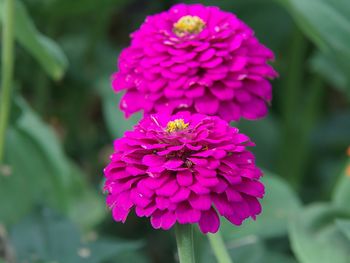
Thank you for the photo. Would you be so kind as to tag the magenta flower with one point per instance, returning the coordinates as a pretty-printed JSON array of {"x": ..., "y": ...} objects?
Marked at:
[
  {"x": 195, "y": 58},
  {"x": 186, "y": 169}
]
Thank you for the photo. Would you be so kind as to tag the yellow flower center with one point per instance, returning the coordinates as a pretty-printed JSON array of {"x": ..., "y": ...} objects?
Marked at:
[
  {"x": 176, "y": 125},
  {"x": 188, "y": 25}
]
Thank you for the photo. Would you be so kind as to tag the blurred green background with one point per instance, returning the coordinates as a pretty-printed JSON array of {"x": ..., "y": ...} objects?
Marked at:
[{"x": 64, "y": 118}]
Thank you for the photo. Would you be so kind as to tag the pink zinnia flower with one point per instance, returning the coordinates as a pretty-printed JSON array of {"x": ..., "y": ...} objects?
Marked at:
[
  {"x": 197, "y": 58},
  {"x": 186, "y": 169}
]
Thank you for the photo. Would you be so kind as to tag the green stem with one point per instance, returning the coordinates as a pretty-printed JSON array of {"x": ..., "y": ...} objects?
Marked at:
[
  {"x": 291, "y": 96},
  {"x": 311, "y": 111},
  {"x": 184, "y": 240},
  {"x": 313, "y": 103},
  {"x": 293, "y": 84},
  {"x": 7, "y": 71},
  {"x": 219, "y": 248}
]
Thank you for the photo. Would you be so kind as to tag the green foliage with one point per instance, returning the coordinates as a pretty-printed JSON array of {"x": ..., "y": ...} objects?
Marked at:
[
  {"x": 112, "y": 113},
  {"x": 78, "y": 7},
  {"x": 65, "y": 115},
  {"x": 279, "y": 205},
  {"x": 42, "y": 173},
  {"x": 249, "y": 243},
  {"x": 344, "y": 227},
  {"x": 341, "y": 194},
  {"x": 43, "y": 49},
  {"x": 326, "y": 66},
  {"x": 46, "y": 236},
  {"x": 327, "y": 24},
  {"x": 316, "y": 236},
  {"x": 248, "y": 250},
  {"x": 268, "y": 141},
  {"x": 320, "y": 233}
]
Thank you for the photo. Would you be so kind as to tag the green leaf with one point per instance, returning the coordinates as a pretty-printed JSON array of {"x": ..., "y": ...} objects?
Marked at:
[
  {"x": 333, "y": 132},
  {"x": 344, "y": 226},
  {"x": 315, "y": 237},
  {"x": 116, "y": 122},
  {"x": 274, "y": 35},
  {"x": 278, "y": 206},
  {"x": 246, "y": 250},
  {"x": 341, "y": 194},
  {"x": 80, "y": 7},
  {"x": 29, "y": 177},
  {"x": 47, "y": 236},
  {"x": 71, "y": 192},
  {"x": 327, "y": 24},
  {"x": 48, "y": 147},
  {"x": 132, "y": 257},
  {"x": 37, "y": 167},
  {"x": 43, "y": 49},
  {"x": 86, "y": 207},
  {"x": 267, "y": 151},
  {"x": 113, "y": 249},
  {"x": 327, "y": 67}
]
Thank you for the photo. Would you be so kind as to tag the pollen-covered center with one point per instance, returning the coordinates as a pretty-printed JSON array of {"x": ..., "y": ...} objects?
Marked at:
[
  {"x": 188, "y": 25},
  {"x": 176, "y": 125}
]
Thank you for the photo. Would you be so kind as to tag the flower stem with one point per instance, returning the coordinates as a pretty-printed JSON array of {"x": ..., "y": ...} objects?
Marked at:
[
  {"x": 7, "y": 71},
  {"x": 292, "y": 92},
  {"x": 219, "y": 248},
  {"x": 184, "y": 240}
]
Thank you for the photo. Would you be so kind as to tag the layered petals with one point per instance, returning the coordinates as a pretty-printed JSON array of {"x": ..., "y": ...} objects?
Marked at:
[
  {"x": 216, "y": 67},
  {"x": 184, "y": 169}
]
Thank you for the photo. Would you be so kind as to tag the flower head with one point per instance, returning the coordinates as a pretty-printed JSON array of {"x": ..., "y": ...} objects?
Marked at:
[
  {"x": 195, "y": 58},
  {"x": 186, "y": 169}
]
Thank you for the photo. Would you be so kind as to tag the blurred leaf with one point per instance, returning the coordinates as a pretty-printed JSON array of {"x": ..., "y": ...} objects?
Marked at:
[
  {"x": 278, "y": 206},
  {"x": 114, "y": 118},
  {"x": 274, "y": 35},
  {"x": 113, "y": 250},
  {"x": 116, "y": 122},
  {"x": 49, "y": 237},
  {"x": 132, "y": 257},
  {"x": 247, "y": 250},
  {"x": 86, "y": 207},
  {"x": 49, "y": 147},
  {"x": 38, "y": 169},
  {"x": 44, "y": 50},
  {"x": 266, "y": 151},
  {"x": 78, "y": 7},
  {"x": 327, "y": 67},
  {"x": 29, "y": 179},
  {"x": 341, "y": 193},
  {"x": 344, "y": 226},
  {"x": 73, "y": 193},
  {"x": 327, "y": 24},
  {"x": 275, "y": 257},
  {"x": 333, "y": 132},
  {"x": 315, "y": 237}
]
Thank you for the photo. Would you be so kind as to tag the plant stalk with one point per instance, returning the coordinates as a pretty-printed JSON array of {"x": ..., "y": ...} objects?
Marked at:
[
  {"x": 7, "y": 71},
  {"x": 184, "y": 240},
  {"x": 219, "y": 248},
  {"x": 291, "y": 97}
]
